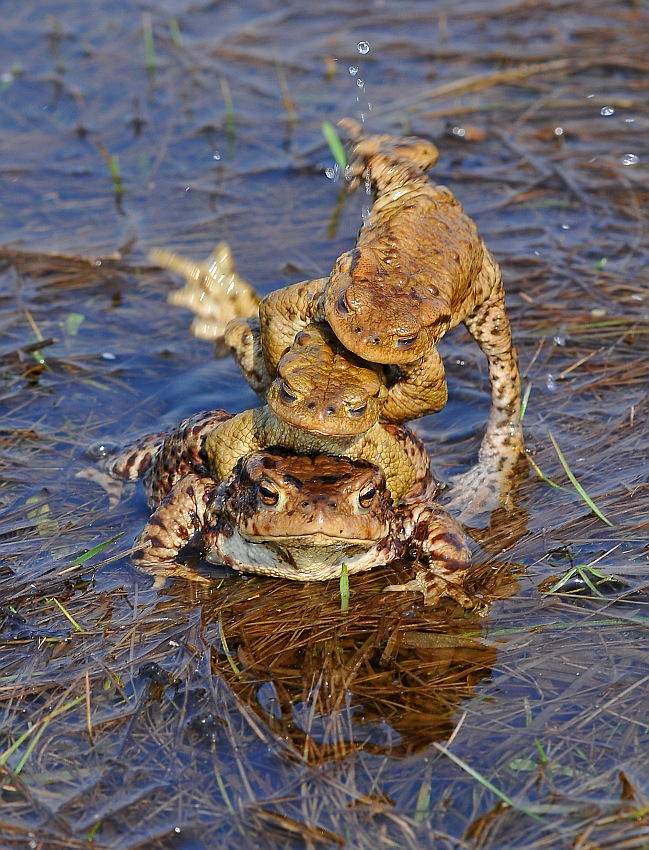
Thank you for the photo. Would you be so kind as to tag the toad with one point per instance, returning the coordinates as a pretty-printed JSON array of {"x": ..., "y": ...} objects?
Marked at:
[
  {"x": 293, "y": 516},
  {"x": 319, "y": 386},
  {"x": 419, "y": 268}
]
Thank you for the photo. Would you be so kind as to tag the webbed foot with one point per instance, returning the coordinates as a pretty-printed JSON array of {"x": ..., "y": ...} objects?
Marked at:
[
  {"x": 474, "y": 495},
  {"x": 434, "y": 587}
]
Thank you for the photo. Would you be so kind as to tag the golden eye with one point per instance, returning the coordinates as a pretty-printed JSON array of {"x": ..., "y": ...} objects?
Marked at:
[
  {"x": 286, "y": 393},
  {"x": 405, "y": 342},
  {"x": 366, "y": 495},
  {"x": 268, "y": 492},
  {"x": 358, "y": 411}
]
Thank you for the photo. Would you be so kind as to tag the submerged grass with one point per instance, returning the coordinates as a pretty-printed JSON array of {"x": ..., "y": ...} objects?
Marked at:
[
  {"x": 112, "y": 161},
  {"x": 487, "y": 784},
  {"x": 149, "y": 44},
  {"x": 230, "y": 120}
]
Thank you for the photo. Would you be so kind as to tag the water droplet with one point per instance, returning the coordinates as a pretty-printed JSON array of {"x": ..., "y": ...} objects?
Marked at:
[
  {"x": 550, "y": 383},
  {"x": 360, "y": 83},
  {"x": 559, "y": 339},
  {"x": 103, "y": 449},
  {"x": 565, "y": 227},
  {"x": 606, "y": 111},
  {"x": 349, "y": 173},
  {"x": 460, "y": 132},
  {"x": 367, "y": 217},
  {"x": 353, "y": 70},
  {"x": 558, "y": 131},
  {"x": 363, "y": 47},
  {"x": 629, "y": 120},
  {"x": 332, "y": 172},
  {"x": 630, "y": 159},
  {"x": 216, "y": 155},
  {"x": 108, "y": 355}
]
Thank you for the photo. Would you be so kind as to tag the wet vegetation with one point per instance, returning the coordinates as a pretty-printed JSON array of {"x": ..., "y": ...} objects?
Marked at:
[{"x": 256, "y": 712}]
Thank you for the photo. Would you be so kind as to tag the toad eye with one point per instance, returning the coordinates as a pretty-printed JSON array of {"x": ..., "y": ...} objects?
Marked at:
[
  {"x": 366, "y": 495},
  {"x": 268, "y": 492},
  {"x": 405, "y": 342},
  {"x": 358, "y": 411},
  {"x": 342, "y": 306},
  {"x": 286, "y": 393}
]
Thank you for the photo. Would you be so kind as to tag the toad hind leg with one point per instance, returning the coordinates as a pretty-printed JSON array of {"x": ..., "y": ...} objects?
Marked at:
[{"x": 484, "y": 487}]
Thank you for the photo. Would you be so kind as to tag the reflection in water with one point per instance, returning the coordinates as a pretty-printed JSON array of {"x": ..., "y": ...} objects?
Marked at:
[{"x": 387, "y": 676}]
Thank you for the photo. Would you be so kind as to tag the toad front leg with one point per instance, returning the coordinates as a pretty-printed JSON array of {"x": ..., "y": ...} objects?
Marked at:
[
  {"x": 286, "y": 312},
  {"x": 420, "y": 389},
  {"x": 435, "y": 538},
  {"x": 191, "y": 508}
]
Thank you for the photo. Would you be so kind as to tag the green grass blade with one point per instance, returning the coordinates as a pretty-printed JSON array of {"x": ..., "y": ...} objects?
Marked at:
[
  {"x": 584, "y": 495},
  {"x": 335, "y": 145},
  {"x": 344, "y": 589},
  {"x": 563, "y": 580},
  {"x": 65, "y": 613},
  {"x": 95, "y": 550},
  {"x": 589, "y": 583},
  {"x": 230, "y": 121},
  {"x": 525, "y": 399},
  {"x": 544, "y": 477},
  {"x": 149, "y": 46}
]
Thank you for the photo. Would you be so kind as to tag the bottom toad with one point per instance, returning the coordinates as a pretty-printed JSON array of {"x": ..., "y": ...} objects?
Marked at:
[{"x": 294, "y": 516}]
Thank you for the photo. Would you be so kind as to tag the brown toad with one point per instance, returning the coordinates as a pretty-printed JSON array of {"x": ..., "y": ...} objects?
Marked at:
[
  {"x": 419, "y": 268},
  {"x": 319, "y": 386},
  {"x": 294, "y": 516},
  {"x": 320, "y": 380}
]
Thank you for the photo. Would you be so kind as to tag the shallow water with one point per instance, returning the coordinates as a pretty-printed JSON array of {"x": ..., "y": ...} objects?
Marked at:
[{"x": 269, "y": 716}]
